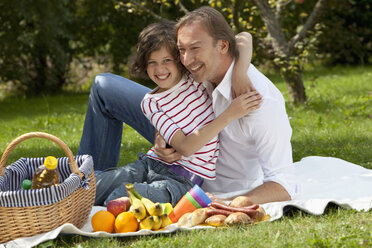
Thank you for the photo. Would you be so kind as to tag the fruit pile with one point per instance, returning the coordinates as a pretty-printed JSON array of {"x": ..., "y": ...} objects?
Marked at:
[{"x": 129, "y": 214}]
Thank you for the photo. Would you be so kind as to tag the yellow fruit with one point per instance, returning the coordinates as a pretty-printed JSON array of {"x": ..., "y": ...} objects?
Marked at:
[
  {"x": 138, "y": 209},
  {"x": 157, "y": 222},
  {"x": 167, "y": 208},
  {"x": 103, "y": 221},
  {"x": 126, "y": 222},
  {"x": 165, "y": 221},
  {"x": 153, "y": 209},
  {"x": 147, "y": 223}
]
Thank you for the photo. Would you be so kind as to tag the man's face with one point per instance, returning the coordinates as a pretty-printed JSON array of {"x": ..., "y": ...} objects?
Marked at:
[{"x": 199, "y": 53}]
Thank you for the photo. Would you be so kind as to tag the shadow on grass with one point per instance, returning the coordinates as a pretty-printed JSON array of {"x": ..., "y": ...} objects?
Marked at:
[
  {"x": 22, "y": 152},
  {"x": 44, "y": 105},
  {"x": 292, "y": 211},
  {"x": 81, "y": 241}
]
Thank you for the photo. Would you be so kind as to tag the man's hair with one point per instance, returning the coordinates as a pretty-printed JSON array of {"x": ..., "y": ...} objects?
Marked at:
[
  {"x": 151, "y": 39},
  {"x": 215, "y": 24}
]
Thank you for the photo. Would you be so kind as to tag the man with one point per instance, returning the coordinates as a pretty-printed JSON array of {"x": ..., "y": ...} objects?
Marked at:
[{"x": 255, "y": 153}]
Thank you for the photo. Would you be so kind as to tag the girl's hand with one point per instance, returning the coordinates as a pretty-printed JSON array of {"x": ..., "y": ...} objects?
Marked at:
[
  {"x": 240, "y": 82},
  {"x": 244, "y": 104},
  {"x": 169, "y": 155}
]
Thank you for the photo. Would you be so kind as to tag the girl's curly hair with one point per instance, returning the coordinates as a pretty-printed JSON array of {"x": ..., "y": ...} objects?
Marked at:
[{"x": 151, "y": 39}]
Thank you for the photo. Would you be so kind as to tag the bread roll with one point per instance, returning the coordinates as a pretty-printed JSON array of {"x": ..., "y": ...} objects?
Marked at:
[{"x": 237, "y": 218}]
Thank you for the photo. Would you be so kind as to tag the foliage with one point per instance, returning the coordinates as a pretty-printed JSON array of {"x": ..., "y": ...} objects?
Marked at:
[
  {"x": 347, "y": 33},
  {"x": 336, "y": 121},
  {"x": 106, "y": 32},
  {"x": 34, "y": 41},
  {"x": 42, "y": 42}
]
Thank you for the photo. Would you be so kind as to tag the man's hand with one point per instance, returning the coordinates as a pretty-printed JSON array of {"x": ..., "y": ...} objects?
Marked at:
[
  {"x": 169, "y": 155},
  {"x": 215, "y": 198}
]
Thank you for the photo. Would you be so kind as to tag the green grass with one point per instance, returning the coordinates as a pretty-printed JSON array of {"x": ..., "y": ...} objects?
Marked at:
[{"x": 336, "y": 121}]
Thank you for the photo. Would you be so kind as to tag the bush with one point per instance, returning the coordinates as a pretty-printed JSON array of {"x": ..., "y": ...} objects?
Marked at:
[{"x": 347, "y": 33}]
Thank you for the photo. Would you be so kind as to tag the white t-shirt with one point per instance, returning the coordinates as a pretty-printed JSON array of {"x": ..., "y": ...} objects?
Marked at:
[
  {"x": 187, "y": 107},
  {"x": 256, "y": 148}
]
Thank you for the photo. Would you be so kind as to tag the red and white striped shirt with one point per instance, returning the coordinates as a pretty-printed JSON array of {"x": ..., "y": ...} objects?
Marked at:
[{"x": 186, "y": 107}]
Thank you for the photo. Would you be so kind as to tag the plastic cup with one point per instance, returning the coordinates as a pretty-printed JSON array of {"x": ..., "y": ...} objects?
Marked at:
[
  {"x": 201, "y": 194},
  {"x": 192, "y": 200},
  {"x": 197, "y": 198},
  {"x": 182, "y": 207}
]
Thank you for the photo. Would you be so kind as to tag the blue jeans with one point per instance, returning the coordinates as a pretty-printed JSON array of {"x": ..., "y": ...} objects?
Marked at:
[
  {"x": 151, "y": 179},
  {"x": 113, "y": 100}
]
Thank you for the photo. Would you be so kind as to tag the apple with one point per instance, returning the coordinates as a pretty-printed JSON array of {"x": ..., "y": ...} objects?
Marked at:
[
  {"x": 299, "y": 1},
  {"x": 118, "y": 205}
]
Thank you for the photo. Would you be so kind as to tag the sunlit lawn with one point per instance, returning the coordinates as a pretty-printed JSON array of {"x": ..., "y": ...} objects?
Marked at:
[{"x": 336, "y": 121}]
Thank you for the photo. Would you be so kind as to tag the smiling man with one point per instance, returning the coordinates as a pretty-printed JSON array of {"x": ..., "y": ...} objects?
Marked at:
[{"x": 255, "y": 151}]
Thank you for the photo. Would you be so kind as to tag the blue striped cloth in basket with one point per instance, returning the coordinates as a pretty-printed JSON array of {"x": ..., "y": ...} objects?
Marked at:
[{"x": 12, "y": 194}]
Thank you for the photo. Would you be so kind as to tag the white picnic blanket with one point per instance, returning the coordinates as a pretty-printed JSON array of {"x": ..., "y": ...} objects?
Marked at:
[{"x": 324, "y": 180}]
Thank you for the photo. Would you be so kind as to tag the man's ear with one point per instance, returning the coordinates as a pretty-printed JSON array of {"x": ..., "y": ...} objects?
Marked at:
[{"x": 223, "y": 46}]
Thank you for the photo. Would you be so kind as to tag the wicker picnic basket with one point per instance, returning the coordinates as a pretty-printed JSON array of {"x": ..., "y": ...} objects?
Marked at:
[{"x": 25, "y": 213}]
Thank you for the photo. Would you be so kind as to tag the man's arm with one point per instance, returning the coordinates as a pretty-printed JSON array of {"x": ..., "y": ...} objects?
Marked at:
[
  {"x": 271, "y": 130},
  {"x": 266, "y": 192}
]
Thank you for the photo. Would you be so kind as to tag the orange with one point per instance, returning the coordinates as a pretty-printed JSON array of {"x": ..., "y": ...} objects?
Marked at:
[
  {"x": 126, "y": 222},
  {"x": 103, "y": 221}
]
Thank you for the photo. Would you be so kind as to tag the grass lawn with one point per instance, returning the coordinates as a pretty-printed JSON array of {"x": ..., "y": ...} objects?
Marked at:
[{"x": 336, "y": 121}]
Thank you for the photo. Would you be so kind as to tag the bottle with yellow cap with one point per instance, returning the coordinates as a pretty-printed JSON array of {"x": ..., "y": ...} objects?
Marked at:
[{"x": 46, "y": 175}]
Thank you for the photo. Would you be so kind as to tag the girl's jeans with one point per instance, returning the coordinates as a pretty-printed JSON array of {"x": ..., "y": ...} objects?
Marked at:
[{"x": 151, "y": 179}]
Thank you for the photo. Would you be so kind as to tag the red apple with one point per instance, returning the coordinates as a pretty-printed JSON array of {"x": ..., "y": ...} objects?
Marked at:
[
  {"x": 299, "y": 1},
  {"x": 118, "y": 205}
]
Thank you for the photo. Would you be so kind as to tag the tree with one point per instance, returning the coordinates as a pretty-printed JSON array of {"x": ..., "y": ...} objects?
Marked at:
[{"x": 286, "y": 50}]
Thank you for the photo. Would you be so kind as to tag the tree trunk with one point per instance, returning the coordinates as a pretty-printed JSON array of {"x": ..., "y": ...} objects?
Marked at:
[
  {"x": 285, "y": 49},
  {"x": 295, "y": 86}
]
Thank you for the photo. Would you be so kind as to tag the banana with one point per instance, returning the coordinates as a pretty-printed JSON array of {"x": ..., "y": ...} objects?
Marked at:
[
  {"x": 147, "y": 223},
  {"x": 137, "y": 207},
  {"x": 167, "y": 208},
  {"x": 157, "y": 222},
  {"x": 130, "y": 188},
  {"x": 153, "y": 209},
  {"x": 165, "y": 220}
]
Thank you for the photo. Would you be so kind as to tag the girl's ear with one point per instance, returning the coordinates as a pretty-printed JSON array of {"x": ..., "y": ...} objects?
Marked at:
[{"x": 223, "y": 46}]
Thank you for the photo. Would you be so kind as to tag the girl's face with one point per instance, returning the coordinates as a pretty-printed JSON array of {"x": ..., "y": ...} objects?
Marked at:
[{"x": 162, "y": 68}]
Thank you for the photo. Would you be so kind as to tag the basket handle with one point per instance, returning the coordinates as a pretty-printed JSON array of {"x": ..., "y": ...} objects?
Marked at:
[{"x": 16, "y": 141}]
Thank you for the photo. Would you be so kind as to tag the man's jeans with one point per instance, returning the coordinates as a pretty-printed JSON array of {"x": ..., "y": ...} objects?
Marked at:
[
  {"x": 151, "y": 179},
  {"x": 112, "y": 101}
]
